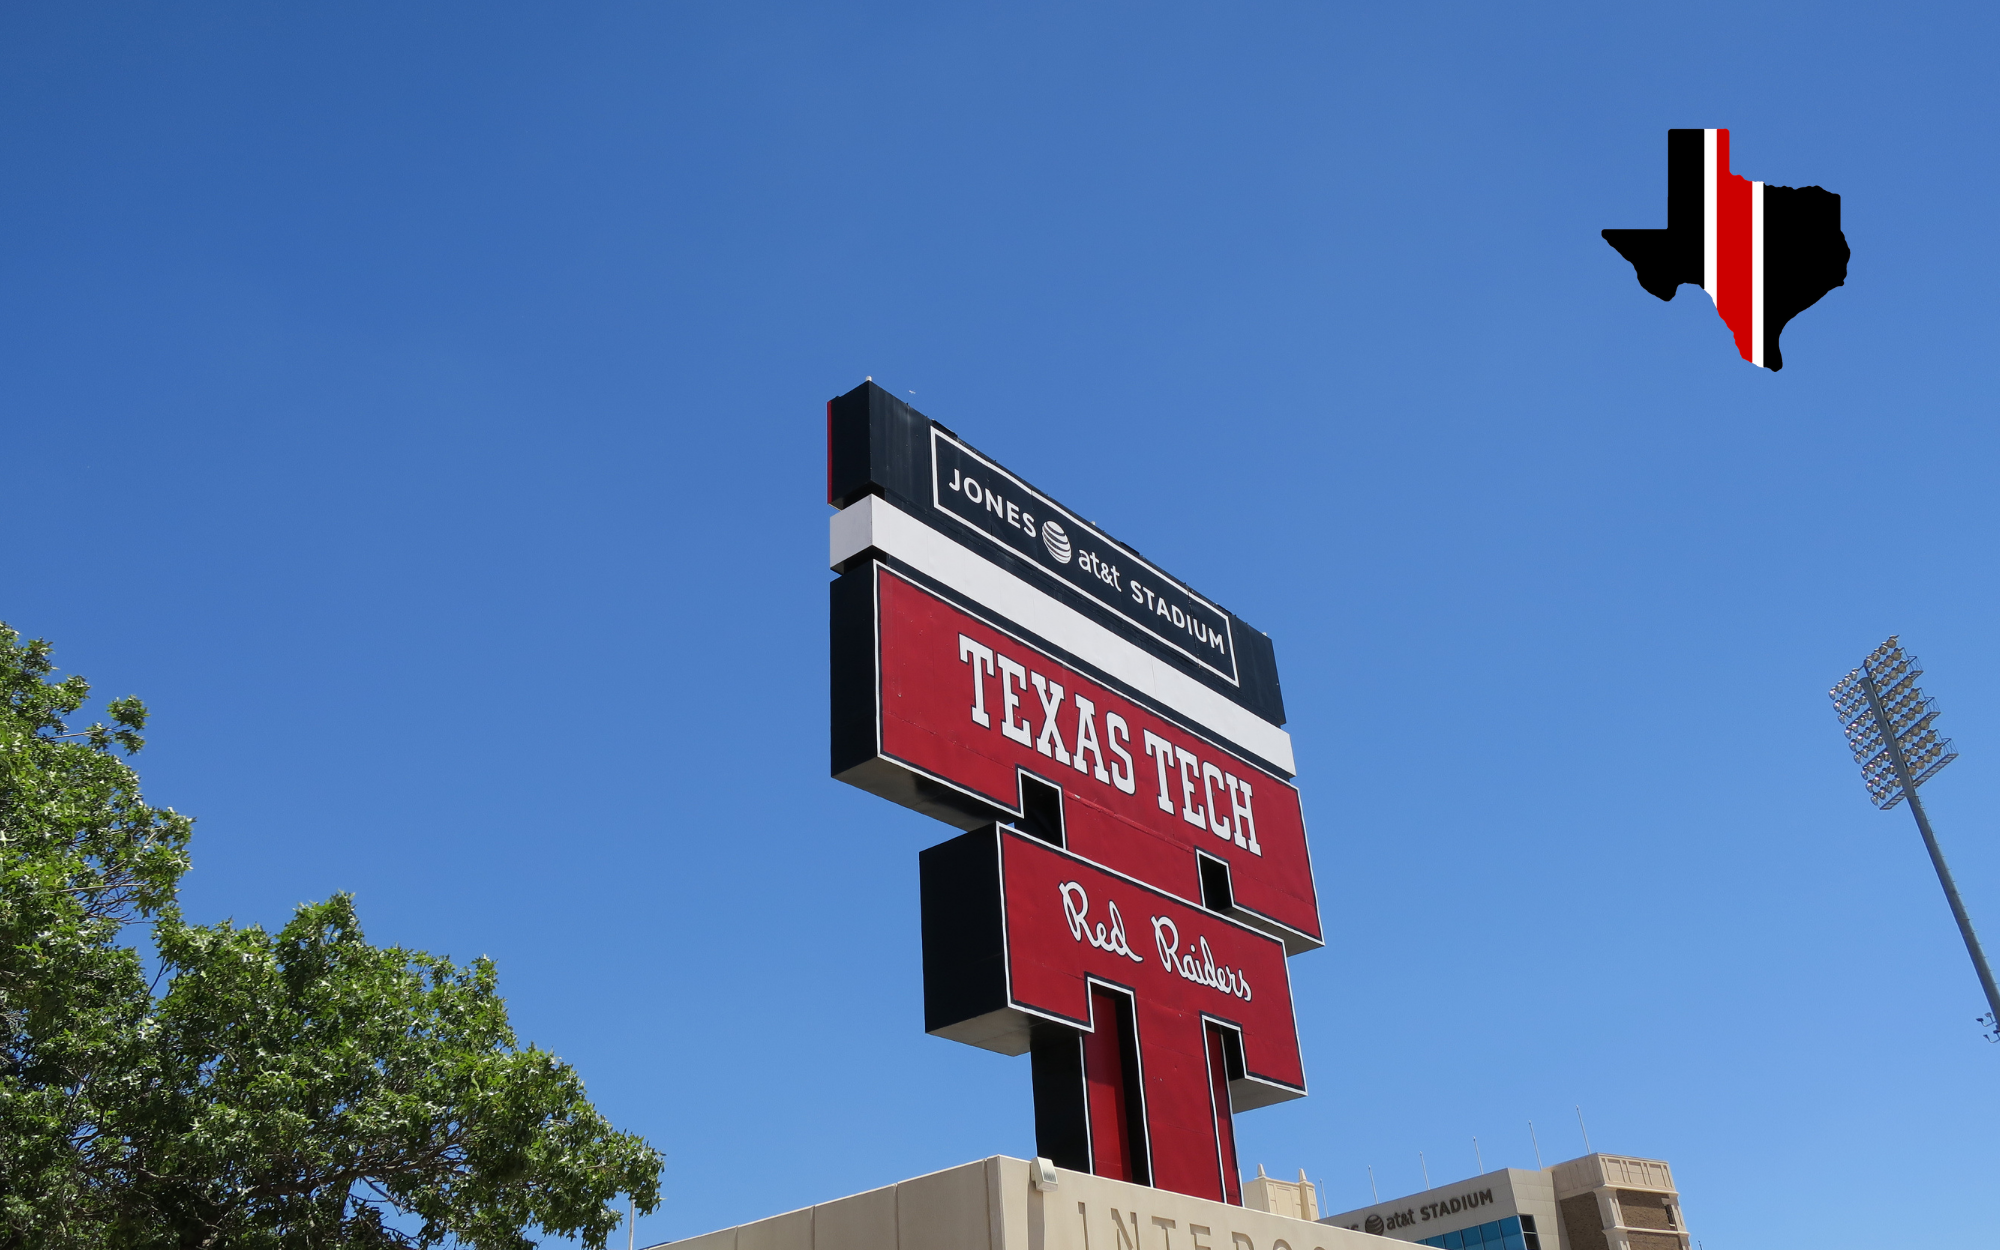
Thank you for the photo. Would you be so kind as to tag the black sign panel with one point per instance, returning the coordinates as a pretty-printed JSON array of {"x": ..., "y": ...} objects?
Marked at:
[
  {"x": 877, "y": 444},
  {"x": 995, "y": 504}
]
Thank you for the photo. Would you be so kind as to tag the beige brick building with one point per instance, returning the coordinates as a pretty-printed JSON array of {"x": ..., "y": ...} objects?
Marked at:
[
  {"x": 1597, "y": 1202},
  {"x": 1614, "y": 1202}
]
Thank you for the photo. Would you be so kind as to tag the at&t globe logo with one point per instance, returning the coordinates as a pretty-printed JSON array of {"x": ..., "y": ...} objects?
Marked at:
[{"x": 1056, "y": 541}]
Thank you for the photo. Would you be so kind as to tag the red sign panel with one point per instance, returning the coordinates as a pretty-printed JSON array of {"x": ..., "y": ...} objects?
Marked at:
[
  {"x": 970, "y": 705},
  {"x": 1204, "y": 1004}
]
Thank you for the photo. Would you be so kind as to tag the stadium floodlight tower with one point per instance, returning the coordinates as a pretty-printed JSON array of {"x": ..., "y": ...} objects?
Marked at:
[{"x": 1887, "y": 720}]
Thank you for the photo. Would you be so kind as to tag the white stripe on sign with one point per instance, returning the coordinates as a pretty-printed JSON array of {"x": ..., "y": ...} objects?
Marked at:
[
  {"x": 1708, "y": 214},
  {"x": 874, "y": 522},
  {"x": 1757, "y": 274}
]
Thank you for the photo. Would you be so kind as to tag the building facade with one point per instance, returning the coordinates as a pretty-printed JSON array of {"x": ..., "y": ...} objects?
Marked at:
[
  {"x": 1597, "y": 1202},
  {"x": 1615, "y": 1202},
  {"x": 1298, "y": 1199},
  {"x": 1019, "y": 1204}
]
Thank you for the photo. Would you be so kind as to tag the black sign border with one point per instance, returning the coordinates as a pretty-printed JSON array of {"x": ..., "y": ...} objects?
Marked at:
[{"x": 1233, "y": 676}]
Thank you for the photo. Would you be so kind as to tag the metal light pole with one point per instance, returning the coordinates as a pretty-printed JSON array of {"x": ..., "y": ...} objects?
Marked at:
[{"x": 1887, "y": 720}]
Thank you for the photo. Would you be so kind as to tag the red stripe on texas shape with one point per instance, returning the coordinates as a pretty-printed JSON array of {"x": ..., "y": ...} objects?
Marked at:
[{"x": 1732, "y": 247}]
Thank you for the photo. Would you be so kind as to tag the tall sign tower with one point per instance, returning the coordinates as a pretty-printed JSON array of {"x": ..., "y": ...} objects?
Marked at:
[{"x": 1132, "y": 872}]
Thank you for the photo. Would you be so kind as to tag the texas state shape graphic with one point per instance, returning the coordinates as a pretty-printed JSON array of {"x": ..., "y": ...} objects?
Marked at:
[{"x": 1764, "y": 254}]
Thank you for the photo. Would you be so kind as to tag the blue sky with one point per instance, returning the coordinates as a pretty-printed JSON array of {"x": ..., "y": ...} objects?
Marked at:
[{"x": 422, "y": 408}]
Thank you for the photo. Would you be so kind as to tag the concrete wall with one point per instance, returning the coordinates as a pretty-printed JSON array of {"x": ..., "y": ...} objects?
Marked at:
[{"x": 992, "y": 1205}]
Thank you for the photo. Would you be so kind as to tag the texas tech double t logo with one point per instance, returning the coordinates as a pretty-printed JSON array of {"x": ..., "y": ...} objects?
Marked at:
[
  {"x": 1134, "y": 872},
  {"x": 1148, "y": 1018}
]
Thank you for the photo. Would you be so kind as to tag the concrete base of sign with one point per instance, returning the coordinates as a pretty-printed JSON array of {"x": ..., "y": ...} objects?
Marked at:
[{"x": 994, "y": 1204}]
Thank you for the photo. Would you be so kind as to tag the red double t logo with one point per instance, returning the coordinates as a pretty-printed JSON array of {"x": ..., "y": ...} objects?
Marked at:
[
  {"x": 1148, "y": 1018},
  {"x": 1128, "y": 926}
]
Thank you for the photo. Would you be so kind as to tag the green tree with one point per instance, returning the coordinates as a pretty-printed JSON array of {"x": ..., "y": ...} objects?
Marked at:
[{"x": 296, "y": 1089}]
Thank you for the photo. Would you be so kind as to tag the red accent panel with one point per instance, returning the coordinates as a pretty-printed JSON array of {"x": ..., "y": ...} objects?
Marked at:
[
  {"x": 1104, "y": 1053},
  {"x": 1225, "y": 1126},
  {"x": 1732, "y": 247},
  {"x": 1068, "y": 921},
  {"x": 929, "y": 706}
]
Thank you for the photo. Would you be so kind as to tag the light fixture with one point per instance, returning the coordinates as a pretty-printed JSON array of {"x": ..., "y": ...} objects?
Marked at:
[{"x": 1888, "y": 723}]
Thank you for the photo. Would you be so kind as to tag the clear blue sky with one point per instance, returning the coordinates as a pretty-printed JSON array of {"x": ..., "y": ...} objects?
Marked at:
[{"x": 422, "y": 408}]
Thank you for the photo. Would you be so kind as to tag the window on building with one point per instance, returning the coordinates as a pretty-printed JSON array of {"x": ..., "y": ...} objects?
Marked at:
[{"x": 1507, "y": 1234}]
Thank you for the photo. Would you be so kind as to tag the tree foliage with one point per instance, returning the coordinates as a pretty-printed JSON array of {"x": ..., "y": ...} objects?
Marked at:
[{"x": 296, "y": 1089}]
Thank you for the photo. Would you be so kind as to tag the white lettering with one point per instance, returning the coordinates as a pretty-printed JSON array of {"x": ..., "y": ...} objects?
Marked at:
[
  {"x": 1210, "y": 774},
  {"x": 1198, "y": 817},
  {"x": 1246, "y": 824},
  {"x": 1013, "y": 685},
  {"x": 1201, "y": 970},
  {"x": 1086, "y": 736},
  {"x": 1164, "y": 750},
  {"x": 1051, "y": 695},
  {"x": 1114, "y": 729},
  {"x": 1076, "y": 910},
  {"x": 981, "y": 657}
]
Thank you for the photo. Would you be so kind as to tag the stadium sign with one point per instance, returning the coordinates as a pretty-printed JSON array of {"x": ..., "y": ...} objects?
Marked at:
[{"x": 1135, "y": 870}]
